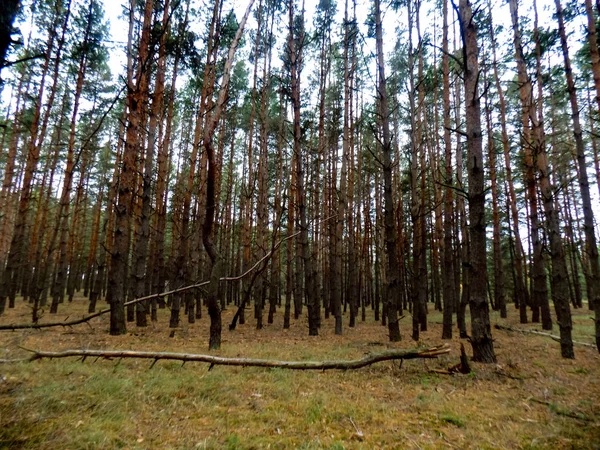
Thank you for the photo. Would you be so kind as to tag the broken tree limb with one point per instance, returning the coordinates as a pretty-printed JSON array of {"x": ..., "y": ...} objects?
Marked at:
[
  {"x": 137, "y": 300},
  {"x": 84, "y": 319},
  {"x": 68, "y": 323},
  {"x": 366, "y": 360},
  {"x": 540, "y": 333},
  {"x": 13, "y": 361},
  {"x": 260, "y": 270},
  {"x": 463, "y": 367}
]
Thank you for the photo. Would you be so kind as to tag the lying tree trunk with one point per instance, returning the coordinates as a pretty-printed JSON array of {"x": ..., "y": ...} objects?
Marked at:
[
  {"x": 366, "y": 360},
  {"x": 540, "y": 333}
]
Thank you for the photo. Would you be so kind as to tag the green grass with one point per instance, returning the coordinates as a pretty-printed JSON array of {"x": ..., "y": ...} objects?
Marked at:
[
  {"x": 66, "y": 404},
  {"x": 450, "y": 417}
]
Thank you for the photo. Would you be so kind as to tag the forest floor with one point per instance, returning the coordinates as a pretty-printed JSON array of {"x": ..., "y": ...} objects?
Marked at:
[{"x": 531, "y": 399}]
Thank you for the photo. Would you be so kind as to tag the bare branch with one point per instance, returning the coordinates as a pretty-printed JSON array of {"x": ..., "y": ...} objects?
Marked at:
[
  {"x": 85, "y": 319},
  {"x": 540, "y": 333},
  {"x": 366, "y": 360}
]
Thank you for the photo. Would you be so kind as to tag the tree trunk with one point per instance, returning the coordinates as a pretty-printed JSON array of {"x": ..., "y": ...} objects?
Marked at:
[
  {"x": 140, "y": 252},
  {"x": 304, "y": 250},
  {"x": 391, "y": 288},
  {"x": 588, "y": 213},
  {"x": 499, "y": 300},
  {"x": 520, "y": 290},
  {"x": 213, "y": 300},
  {"x": 481, "y": 335},
  {"x": 16, "y": 260},
  {"x": 529, "y": 143},
  {"x": 448, "y": 267},
  {"x": 128, "y": 185},
  {"x": 58, "y": 288}
]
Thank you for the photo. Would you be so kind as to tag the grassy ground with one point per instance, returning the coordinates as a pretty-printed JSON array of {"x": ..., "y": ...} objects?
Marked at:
[{"x": 531, "y": 399}]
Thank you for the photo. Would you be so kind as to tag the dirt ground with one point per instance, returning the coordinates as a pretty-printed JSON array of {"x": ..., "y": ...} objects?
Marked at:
[{"x": 530, "y": 399}]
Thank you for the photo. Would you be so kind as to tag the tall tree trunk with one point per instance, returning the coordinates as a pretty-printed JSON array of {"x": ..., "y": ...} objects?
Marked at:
[
  {"x": 481, "y": 335},
  {"x": 213, "y": 300},
  {"x": 140, "y": 252},
  {"x": 462, "y": 283},
  {"x": 391, "y": 288},
  {"x": 16, "y": 260},
  {"x": 261, "y": 205},
  {"x": 448, "y": 267},
  {"x": 250, "y": 185},
  {"x": 584, "y": 186},
  {"x": 291, "y": 250},
  {"x": 127, "y": 184},
  {"x": 158, "y": 260},
  {"x": 544, "y": 180},
  {"x": 296, "y": 44},
  {"x": 520, "y": 290},
  {"x": 415, "y": 207},
  {"x": 9, "y": 165},
  {"x": 530, "y": 143},
  {"x": 499, "y": 299},
  {"x": 58, "y": 288},
  {"x": 181, "y": 269},
  {"x": 278, "y": 206}
]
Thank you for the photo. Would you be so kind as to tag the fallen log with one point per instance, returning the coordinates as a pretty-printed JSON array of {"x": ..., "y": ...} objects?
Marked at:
[
  {"x": 539, "y": 333},
  {"x": 366, "y": 360}
]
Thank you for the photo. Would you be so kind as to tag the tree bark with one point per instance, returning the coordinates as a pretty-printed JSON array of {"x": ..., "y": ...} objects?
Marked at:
[
  {"x": 16, "y": 261},
  {"x": 584, "y": 186},
  {"x": 520, "y": 290},
  {"x": 391, "y": 288},
  {"x": 216, "y": 263},
  {"x": 58, "y": 288},
  {"x": 367, "y": 360},
  {"x": 127, "y": 186},
  {"x": 481, "y": 334},
  {"x": 448, "y": 267},
  {"x": 296, "y": 44},
  {"x": 530, "y": 142}
]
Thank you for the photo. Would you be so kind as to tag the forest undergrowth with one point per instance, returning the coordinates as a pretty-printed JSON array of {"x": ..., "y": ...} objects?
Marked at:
[{"x": 531, "y": 399}]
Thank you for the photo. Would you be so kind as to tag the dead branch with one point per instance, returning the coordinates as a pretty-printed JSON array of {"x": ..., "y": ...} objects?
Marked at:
[
  {"x": 84, "y": 319},
  {"x": 66, "y": 323},
  {"x": 366, "y": 360},
  {"x": 463, "y": 367},
  {"x": 87, "y": 318},
  {"x": 540, "y": 333},
  {"x": 13, "y": 361},
  {"x": 258, "y": 263}
]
